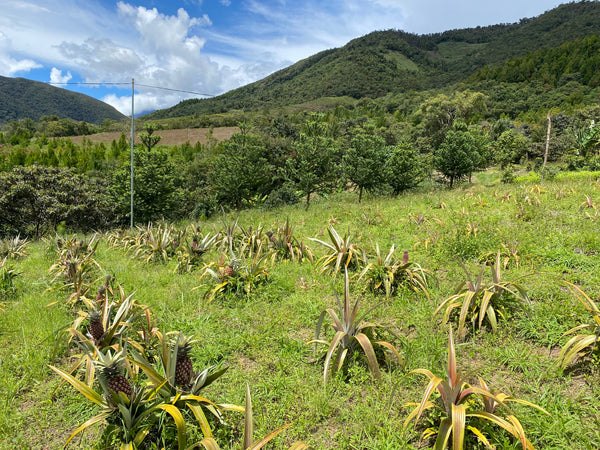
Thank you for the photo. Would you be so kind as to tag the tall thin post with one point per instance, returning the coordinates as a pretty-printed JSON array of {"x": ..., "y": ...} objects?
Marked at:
[
  {"x": 549, "y": 118},
  {"x": 132, "y": 129}
]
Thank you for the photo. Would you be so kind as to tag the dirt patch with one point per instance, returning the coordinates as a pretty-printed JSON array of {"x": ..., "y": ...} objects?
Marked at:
[{"x": 169, "y": 137}]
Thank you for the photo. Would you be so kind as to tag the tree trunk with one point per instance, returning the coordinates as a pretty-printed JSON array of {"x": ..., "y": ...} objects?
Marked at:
[
  {"x": 360, "y": 194},
  {"x": 307, "y": 201}
]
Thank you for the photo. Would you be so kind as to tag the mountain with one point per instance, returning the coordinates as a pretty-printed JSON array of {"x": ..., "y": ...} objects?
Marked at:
[
  {"x": 20, "y": 98},
  {"x": 393, "y": 61}
]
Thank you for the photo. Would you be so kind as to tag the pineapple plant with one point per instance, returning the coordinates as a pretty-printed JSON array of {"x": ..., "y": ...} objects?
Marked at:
[
  {"x": 95, "y": 324},
  {"x": 184, "y": 369},
  {"x": 111, "y": 368}
]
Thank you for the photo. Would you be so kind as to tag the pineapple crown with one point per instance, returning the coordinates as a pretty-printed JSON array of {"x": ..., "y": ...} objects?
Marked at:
[
  {"x": 94, "y": 315},
  {"x": 110, "y": 364},
  {"x": 184, "y": 344}
]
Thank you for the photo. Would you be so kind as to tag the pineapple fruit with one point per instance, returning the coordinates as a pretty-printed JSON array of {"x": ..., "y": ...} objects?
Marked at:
[
  {"x": 184, "y": 369},
  {"x": 96, "y": 327},
  {"x": 111, "y": 370}
]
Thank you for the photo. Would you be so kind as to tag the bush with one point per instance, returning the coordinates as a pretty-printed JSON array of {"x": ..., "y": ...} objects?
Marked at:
[{"x": 36, "y": 199}]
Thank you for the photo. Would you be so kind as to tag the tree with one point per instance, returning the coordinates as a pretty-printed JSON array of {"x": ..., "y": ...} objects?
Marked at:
[
  {"x": 156, "y": 193},
  {"x": 510, "y": 147},
  {"x": 438, "y": 114},
  {"x": 312, "y": 167},
  {"x": 406, "y": 168},
  {"x": 242, "y": 171},
  {"x": 148, "y": 138},
  {"x": 459, "y": 154},
  {"x": 35, "y": 199},
  {"x": 364, "y": 163}
]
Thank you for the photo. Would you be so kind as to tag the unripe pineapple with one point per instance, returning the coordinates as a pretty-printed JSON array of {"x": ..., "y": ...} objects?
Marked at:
[
  {"x": 96, "y": 327},
  {"x": 111, "y": 370},
  {"x": 184, "y": 369}
]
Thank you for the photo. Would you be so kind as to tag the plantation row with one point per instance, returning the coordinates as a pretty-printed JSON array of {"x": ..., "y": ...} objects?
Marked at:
[
  {"x": 278, "y": 159},
  {"x": 149, "y": 393}
]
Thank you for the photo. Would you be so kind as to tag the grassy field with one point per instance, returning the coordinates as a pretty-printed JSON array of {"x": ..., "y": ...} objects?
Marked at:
[{"x": 547, "y": 234}]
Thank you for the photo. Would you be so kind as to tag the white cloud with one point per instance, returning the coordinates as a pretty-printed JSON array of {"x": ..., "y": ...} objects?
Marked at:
[
  {"x": 9, "y": 66},
  {"x": 121, "y": 41},
  {"x": 57, "y": 77},
  {"x": 101, "y": 59}
]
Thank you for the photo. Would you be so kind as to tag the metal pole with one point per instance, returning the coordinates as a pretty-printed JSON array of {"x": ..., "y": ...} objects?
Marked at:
[{"x": 132, "y": 110}]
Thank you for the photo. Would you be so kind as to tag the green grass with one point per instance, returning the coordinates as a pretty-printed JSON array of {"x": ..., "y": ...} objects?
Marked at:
[{"x": 262, "y": 337}]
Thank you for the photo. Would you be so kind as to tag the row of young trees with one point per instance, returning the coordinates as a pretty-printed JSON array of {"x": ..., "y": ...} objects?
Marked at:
[{"x": 275, "y": 159}]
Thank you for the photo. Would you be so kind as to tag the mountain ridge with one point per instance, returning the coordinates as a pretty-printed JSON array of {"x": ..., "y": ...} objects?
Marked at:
[
  {"x": 23, "y": 98},
  {"x": 393, "y": 61}
]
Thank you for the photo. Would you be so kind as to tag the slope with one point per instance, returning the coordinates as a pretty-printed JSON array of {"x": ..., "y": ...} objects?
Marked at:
[
  {"x": 394, "y": 61},
  {"x": 20, "y": 98}
]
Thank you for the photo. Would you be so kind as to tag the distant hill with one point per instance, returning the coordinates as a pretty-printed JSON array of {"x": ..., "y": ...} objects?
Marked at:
[
  {"x": 393, "y": 61},
  {"x": 20, "y": 98}
]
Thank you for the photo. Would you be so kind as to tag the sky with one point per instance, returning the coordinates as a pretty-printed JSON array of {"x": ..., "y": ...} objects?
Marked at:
[{"x": 175, "y": 50}]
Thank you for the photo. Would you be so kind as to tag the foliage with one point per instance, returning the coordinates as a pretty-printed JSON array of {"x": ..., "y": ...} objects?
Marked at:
[
  {"x": 364, "y": 163},
  {"x": 75, "y": 265},
  {"x": 406, "y": 168},
  {"x": 189, "y": 254},
  {"x": 587, "y": 139},
  {"x": 129, "y": 418},
  {"x": 573, "y": 349},
  {"x": 462, "y": 404},
  {"x": 481, "y": 301},
  {"x": 157, "y": 243},
  {"x": 242, "y": 172},
  {"x": 458, "y": 155},
  {"x": 509, "y": 148},
  {"x": 342, "y": 251},
  {"x": 249, "y": 444},
  {"x": 35, "y": 200},
  {"x": 235, "y": 277},
  {"x": 116, "y": 317},
  {"x": 13, "y": 248},
  {"x": 148, "y": 138},
  {"x": 351, "y": 334},
  {"x": 312, "y": 168},
  {"x": 8, "y": 275},
  {"x": 388, "y": 273},
  {"x": 156, "y": 193},
  {"x": 287, "y": 246},
  {"x": 162, "y": 377}
]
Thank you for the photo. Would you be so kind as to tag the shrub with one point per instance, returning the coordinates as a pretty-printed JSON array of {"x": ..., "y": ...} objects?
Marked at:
[
  {"x": 462, "y": 405},
  {"x": 351, "y": 334}
]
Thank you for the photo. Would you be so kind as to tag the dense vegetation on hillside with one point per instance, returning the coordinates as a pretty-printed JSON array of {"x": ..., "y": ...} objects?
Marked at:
[
  {"x": 393, "y": 62},
  {"x": 21, "y": 98},
  {"x": 283, "y": 158}
]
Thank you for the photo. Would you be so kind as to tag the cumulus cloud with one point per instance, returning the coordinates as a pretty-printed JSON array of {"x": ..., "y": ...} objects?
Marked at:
[
  {"x": 57, "y": 77},
  {"x": 10, "y": 66},
  {"x": 101, "y": 59}
]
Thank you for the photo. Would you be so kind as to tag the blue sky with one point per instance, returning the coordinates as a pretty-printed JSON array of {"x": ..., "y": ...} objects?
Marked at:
[{"x": 207, "y": 46}]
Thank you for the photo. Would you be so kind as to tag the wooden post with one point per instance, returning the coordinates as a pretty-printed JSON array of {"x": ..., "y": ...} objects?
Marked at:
[{"x": 547, "y": 145}]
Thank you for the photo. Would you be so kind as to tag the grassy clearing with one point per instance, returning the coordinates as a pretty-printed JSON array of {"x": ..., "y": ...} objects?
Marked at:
[{"x": 546, "y": 233}]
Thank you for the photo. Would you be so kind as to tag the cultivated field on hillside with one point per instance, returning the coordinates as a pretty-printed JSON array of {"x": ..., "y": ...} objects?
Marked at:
[
  {"x": 169, "y": 137},
  {"x": 508, "y": 266}
]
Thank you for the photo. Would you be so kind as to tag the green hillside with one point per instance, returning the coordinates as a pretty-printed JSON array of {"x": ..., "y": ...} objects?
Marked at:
[
  {"x": 392, "y": 62},
  {"x": 21, "y": 98},
  {"x": 577, "y": 60}
]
